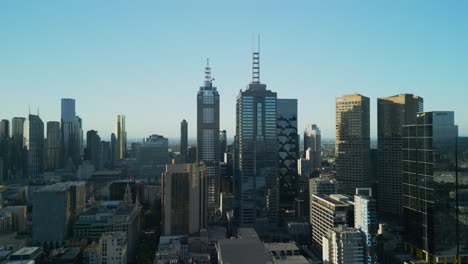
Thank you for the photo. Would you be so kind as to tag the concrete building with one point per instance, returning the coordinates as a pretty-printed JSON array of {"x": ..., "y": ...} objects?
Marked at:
[
  {"x": 92, "y": 253},
  {"x": 256, "y": 183},
  {"x": 53, "y": 146},
  {"x": 208, "y": 138},
  {"x": 66, "y": 200},
  {"x": 343, "y": 245},
  {"x": 326, "y": 211},
  {"x": 184, "y": 199},
  {"x": 246, "y": 248},
  {"x": 365, "y": 219},
  {"x": 288, "y": 150},
  {"x": 392, "y": 114},
  {"x": 171, "y": 249},
  {"x": 34, "y": 146},
  {"x": 285, "y": 253},
  {"x": 322, "y": 185},
  {"x": 113, "y": 248},
  {"x": 352, "y": 143}
]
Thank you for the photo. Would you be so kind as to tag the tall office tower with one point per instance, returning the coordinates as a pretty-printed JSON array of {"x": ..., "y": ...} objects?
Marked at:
[
  {"x": 256, "y": 150},
  {"x": 93, "y": 149},
  {"x": 326, "y": 211},
  {"x": 183, "y": 140},
  {"x": 153, "y": 156},
  {"x": 208, "y": 137},
  {"x": 288, "y": 150},
  {"x": 5, "y": 149},
  {"x": 79, "y": 121},
  {"x": 434, "y": 189},
  {"x": 113, "y": 248},
  {"x": 392, "y": 114},
  {"x": 343, "y": 245},
  {"x": 53, "y": 147},
  {"x": 71, "y": 133},
  {"x": 34, "y": 145},
  {"x": 222, "y": 145},
  {"x": 365, "y": 219},
  {"x": 184, "y": 199},
  {"x": 114, "y": 152},
  {"x": 106, "y": 154},
  {"x": 121, "y": 137},
  {"x": 17, "y": 136},
  {"x": 4, "y": 129},
  {"x": 352, "y": 144},
  {"x": 313, "y": 146}
]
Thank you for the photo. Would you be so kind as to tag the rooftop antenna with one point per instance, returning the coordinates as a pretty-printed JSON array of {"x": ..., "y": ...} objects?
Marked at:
[
  {"x": 37, "y": 110},
  {"x": 256, "y": 62},
  {"x": 208, "y": 78},
  {"x": 29, "y": 109}
]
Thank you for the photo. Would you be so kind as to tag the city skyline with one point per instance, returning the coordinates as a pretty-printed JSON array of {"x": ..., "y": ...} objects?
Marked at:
[{"x": 124, "y": 71}]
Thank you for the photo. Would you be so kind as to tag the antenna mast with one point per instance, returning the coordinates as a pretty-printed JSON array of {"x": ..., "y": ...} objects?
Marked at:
[{"x": 256, "y": 62}]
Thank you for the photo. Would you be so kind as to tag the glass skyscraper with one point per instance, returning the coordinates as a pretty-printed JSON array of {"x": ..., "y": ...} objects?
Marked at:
[
  {"x": 435, "y": 188},
  {"x": 256, "y": 150},
  {"x": 183, "y": 140},
  {"x": 121, "y": 137},
  {"x": 72, "y": 135},
  {"x": 34, "y": 145},
  {"x": 208, "y": 137}
]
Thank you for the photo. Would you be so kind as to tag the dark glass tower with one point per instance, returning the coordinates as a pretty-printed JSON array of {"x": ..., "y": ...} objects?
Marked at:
[
  {"x": 183, "y": 140},
  {"x": 71, "y": 133},
  {"x": 93, "y": 148},
  {"x": 208, "y": 137},
  {"x": 52, "y": 146},
  {"x": 288, "y": 150},
  {"x": 256, "y": 151},
  {"x": 34, "y": 146},
  {"x": 435, "y": 191}
]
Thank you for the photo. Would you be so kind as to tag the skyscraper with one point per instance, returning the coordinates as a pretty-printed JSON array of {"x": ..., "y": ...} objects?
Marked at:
[
  {"x": 17, "y": 136},
  {"x": 313, "y": 143},
  {"x": 53, "y": 147},
  {"x": 184, "y": 199},
  {"x": 153, "y": 156},
  {"x": 352, "y": 144},
  {"x": 288, "y": 150},
  {"x": 256, "y": 150},
  {"x": 392, "y": 114},
  {"x": 34, "y": 146},
  {"x": 208, "y": 136},
  {"x": 183, "y": 140},
  {"x": 5, "y": 149},
  {"x": 93, "y": 149},
  {"x": 4, "y": 129},
  {"x": 121, "y": 137},
  {"x": 114, "y": 152},
  {"x": 434, "y": 189},
  {"x": 71, "y": 133}
]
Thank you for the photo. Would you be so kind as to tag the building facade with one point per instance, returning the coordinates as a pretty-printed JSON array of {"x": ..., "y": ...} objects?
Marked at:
[
  {"x": 72, "y": 134},
  {"x": 53, "y": 145},
  {"x": 256, "y": 153},
  {"x": 392, "y": 114},
  {"x": 365, "y": 219},
  {"x": 208, "y": 137},
  {"x": 183, "y": 140},
  {"x": 313, "y": 146},
  {"x": 352, "y": 143},
  {"x": 121, "y": 133},
  {"x": 153, "y": 156},
  {"x": 34, "y": 146},
  {"x": 343, "y": 245}
]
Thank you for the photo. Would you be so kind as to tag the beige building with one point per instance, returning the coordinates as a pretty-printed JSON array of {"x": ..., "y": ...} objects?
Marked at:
[
  {"x": 113, "y": 248},
  {"x": 184, "y": 199},
  {"x": 392, "y": 114},
  {"x": 352, "y": 144}
]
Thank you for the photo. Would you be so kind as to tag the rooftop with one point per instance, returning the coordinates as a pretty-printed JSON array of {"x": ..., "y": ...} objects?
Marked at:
[
  {"x": 26, "y": 251},
  {"x": 243, "y": 251}
]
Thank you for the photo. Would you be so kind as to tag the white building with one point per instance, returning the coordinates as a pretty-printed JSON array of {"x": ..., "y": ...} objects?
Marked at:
[
  {"x": 343, "y": 245},
  {"x": 365, "y": 219},
  {"x": 113, "y": 248}
]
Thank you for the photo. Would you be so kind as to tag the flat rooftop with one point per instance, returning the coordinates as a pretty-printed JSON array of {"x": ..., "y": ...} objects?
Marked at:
[
  {"x": 244, "y": 251},
  {"x": 26, "y": 251}
]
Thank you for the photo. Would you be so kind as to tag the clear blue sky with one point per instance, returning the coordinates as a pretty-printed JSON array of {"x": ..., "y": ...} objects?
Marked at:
[{"x": 145, "y": 59}]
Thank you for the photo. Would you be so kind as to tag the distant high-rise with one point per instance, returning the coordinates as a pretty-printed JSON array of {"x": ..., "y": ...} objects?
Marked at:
[
  {"x": 71, "y": 133},
  {"x": 343, "y": 245},
  {"x": 313, "y": 146},
  {"x": 365, "y": 219},
  {"x": 256, "y": 150},
  {"x": 183, "y": 198},
  {"x": 352, "y": 143},
  {"x": 208, "y": 137},
  {"x": 114, "y": 152},
  {"x": 121, "y": 137},
  {"x": 4, "y": 129},
  {"x": 17, "y": 136},
  {"x": 153, "y": 156},
  {"x": 435, "y": 189},
  {"x": 222, "y": 145},
  {"x": 93, "y": 149},
  {"x": 392, "y": 114},
  {"x": 183, "y": 140},
  {"x": 106, "y": 154},
  {"x": 34, "y": 145},
  {"x": 288, "y": 150},
  {"x": 53, "y": 146}
]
